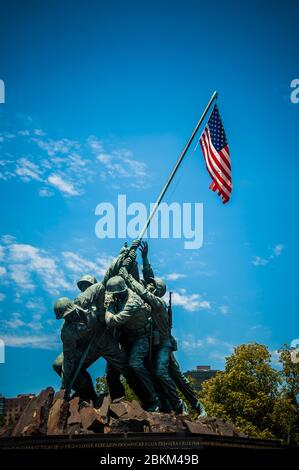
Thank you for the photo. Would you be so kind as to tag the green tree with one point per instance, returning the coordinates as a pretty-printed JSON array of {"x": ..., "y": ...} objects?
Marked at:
[
  {"x": 290, "y": 373},
  {"x": 250, "y": 393},
  {"x": 102, "y": 387}
]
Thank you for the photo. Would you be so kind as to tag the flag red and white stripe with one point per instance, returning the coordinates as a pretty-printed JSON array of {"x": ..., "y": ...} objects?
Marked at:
[{"x": 217, "y": 157}]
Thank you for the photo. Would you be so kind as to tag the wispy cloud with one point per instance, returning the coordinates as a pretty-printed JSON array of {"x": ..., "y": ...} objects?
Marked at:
[
  {"x": 31, "y": 341},
  {"x": 174, "y": 276},
  {"x": 190, "y": 302},
  {"x": 26, "y": 263},
  {"x": 191, "y": 344},
  {"x": 258, "y": 261},
  {"x": 262, "y": 261},
  {"x": 26, "y": 267},
  {"x": 16, "y": 321},
  {"x": 119, "y": 164},
  {"x": 224, "y": 309},
  {"x": 67, "y": 165},
  {"x": 59, "y": 182},
  {"x": 2, "y": 271},
  {"x": 213, "y": 347}
]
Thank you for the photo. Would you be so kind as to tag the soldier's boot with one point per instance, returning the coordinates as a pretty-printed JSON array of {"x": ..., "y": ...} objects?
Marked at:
[
  {"x": 201, "y": 410},
  {"x": 182, "y": 409}
]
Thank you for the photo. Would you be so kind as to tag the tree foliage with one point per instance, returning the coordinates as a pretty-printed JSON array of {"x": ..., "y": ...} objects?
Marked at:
[
  {"x": 259, "y": 399},
  {"x": 102, "y": 388}
]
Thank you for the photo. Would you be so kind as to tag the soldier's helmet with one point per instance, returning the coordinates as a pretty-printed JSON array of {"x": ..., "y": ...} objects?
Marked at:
[
  {"x": 86, "y": 281},
  {"x": 116, "y": 285},
  {"x": 160, "y": 286},
  {"x": 63, "y": 307}
]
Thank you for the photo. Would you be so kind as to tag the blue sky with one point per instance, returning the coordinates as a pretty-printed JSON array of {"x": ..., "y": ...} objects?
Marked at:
[{"x": 129, "y": 80}]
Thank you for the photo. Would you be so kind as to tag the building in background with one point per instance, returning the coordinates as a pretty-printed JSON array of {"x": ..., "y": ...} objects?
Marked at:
[
  {"x": 11, "y": 408},
  {"x": 200, "y": 374}
]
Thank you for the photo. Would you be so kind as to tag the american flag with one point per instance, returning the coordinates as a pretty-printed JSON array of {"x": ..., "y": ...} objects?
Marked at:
[{"x": 216, "y": 154}]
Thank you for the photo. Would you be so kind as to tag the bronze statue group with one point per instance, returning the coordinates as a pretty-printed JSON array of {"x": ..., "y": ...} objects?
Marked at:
[{"x": 125, "y": 320}]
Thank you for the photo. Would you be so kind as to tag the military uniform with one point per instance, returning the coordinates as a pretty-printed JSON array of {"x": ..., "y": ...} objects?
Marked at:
[
  {"x": 116, "y": 388},
  {"x": 130, "y": 316},
  {"x": 163, "y": 349},
  {"x": 174, "y": 370},
  {"x": 85, "y": 326}
]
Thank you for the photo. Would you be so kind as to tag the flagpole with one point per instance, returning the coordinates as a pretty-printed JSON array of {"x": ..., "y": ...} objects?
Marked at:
[{"x": 179, "y": 161}]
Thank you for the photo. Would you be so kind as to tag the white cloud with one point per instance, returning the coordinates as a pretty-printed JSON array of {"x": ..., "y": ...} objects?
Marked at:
[
  {"x": 31, "y": 341},
  {"x": 45, "y": 192},
  {"x": 67, "y": 164},
  {"x": 190, "y": 302},
  {"x": 2, "y": 271},
  {"x": 224, "y": 309},
  {"x": 174, "y": 276},
  {"x": 24, "y": 132},
  {"x": 80, "y": 265},
  {"x": 211, "y": 340},
  {"x": 38, "y": 132},
  {"x": 28, "y": 170},
  {"x": 77, "y": 264},
  {"x": 21, "y": 276},
  {"x": 211, "y": 347},
  {"x": 191, "y": 344},
  {"x": 56, "y": 147},
  {"x": 25, "y": 262},
  {"x": 258, "y": 261},
  {"x": 277, "y": 250},
  {"x": 35, "y": 325},
  {"x": 119, "y": 164},
  {"x": 27, "y": 266},
  {"x": 16, "y": 322},
  {"x": 95, "y": 144},
  {"x": 8, "y": 239},
  {"x": 13, "y": 323},
  {"x": 63, "y": 185}
]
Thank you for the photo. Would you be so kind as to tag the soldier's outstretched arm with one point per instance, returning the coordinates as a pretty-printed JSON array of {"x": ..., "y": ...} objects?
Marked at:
[
  {"x": 118, "y": 261},
  {"x": 139, "y": 289},
  {"x": 147, "y": 270}
]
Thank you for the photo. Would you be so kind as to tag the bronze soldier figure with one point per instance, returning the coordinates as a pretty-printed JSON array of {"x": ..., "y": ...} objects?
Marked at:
[
  {"x": 130, "y": 314},
  {"x": 84, "y": 327}
]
